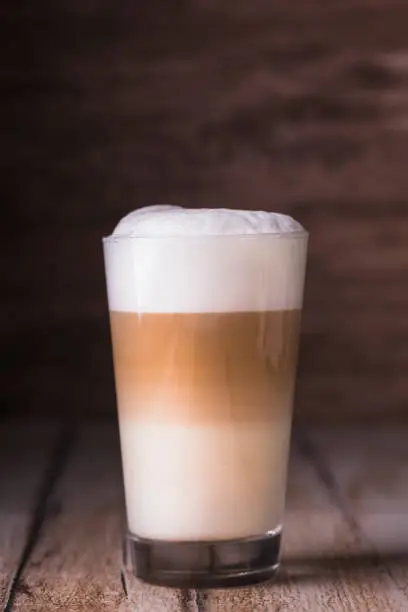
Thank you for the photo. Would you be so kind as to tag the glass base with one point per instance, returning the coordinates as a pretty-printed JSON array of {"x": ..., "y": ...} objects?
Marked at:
[{"x": 199, "y": 565}]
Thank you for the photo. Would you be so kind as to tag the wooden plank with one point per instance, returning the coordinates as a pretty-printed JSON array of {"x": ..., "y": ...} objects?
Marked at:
[
  {"x": 370, "y": 467},
  {"x": 326, "y": 565},
  {"x": 25, "y": 451},
  {"x": 77, "y": 564}
]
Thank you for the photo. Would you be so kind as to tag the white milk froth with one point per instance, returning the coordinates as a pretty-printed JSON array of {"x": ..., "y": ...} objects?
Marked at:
[
  {"x": 175, "y": 262},
  {"x": 166, "y": 220}
]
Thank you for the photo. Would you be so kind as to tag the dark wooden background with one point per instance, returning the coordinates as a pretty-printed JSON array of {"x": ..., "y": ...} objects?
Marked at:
[{"x": 300, "y": 107}]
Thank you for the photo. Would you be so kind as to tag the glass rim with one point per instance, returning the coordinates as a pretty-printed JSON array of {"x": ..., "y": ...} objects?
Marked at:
[{"x": 296, "y": 235}]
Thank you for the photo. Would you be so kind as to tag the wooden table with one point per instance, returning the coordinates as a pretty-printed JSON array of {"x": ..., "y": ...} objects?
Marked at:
[{"x": 346, "y": 525}]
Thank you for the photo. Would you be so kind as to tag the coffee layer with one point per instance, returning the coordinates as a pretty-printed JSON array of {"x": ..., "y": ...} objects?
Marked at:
[{"x": 205, "y": 368}]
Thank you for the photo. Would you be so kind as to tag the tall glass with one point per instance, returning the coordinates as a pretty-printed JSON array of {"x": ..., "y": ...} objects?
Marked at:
[{"x": 205, "y": 334}]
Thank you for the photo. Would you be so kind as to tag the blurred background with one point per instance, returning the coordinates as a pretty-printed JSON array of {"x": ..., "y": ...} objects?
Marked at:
[{"x": 297, "y": 107}]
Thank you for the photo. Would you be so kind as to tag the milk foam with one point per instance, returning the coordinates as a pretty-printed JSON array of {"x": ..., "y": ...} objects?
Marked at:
[
  {"x": 168, "y": 259},
  {"x": 166, "y": 220}
]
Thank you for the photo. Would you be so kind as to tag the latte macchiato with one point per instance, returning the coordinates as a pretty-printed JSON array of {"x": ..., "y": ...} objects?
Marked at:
[{"x": 205, "y": 313}]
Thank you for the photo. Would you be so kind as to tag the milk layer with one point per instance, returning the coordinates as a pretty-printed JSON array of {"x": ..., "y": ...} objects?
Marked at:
[{"x": 204, "y": 483}]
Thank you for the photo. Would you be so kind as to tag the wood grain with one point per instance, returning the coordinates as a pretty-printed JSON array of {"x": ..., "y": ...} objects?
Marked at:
[
  {"x": 331, "y": 560},
  {"x": 327, "y": 564},
  {"x": 77, "y": 563},
  {"x": 301, "y": 109},
  {"x": 25, "y": 450},
  {"x": 372, "y": 479}
]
